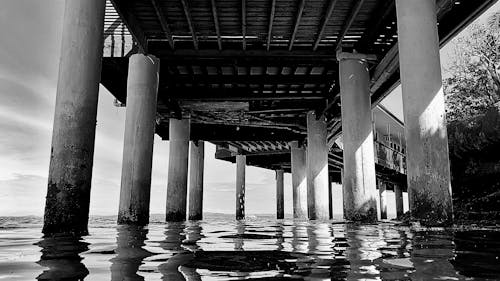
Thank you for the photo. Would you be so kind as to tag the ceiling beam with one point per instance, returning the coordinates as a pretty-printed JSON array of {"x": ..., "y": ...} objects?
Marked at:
[
  {"x": 270, "y": 27},
  {"x": 216, "y": 23},
  {"x": 163, "y": 22},
  {"x": 187, "y": 13},
  {"x": 250, "y": 79},
  {"x": 350, "y": 20},
  {"x": 326, "y": 18},
  {"x": 302, "y": 4},
  {"x": 244, "y": 23},
  {"x": 131, "y": 23},
  {"x": 383, "y": 10}
]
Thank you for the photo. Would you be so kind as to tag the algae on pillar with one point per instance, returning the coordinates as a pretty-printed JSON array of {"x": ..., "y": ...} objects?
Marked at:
[
  {"x": 179, "y": 130},
  {"x": 428, "y": 164},
  {"x": 299, "y": 180},
  {"x": 359, "y": 163},
  {"x": 142, "y": 89},
  {"x": 240, "y": 186},
  {"x": 317, "y": 168},
  {"x": 280, "y": 196},
  {"x": 73, "y": 137},
  {"x": 197, "y": 157}
]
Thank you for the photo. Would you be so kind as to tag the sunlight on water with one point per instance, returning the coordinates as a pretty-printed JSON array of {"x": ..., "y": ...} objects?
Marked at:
[{"x": 220, "y": 248}]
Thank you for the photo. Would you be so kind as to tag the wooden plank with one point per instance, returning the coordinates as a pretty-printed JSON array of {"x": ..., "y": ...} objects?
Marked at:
[
  {"x": 326, "y": 18},
  {"x": 350, "y": 20},
  {"x": 163, "y": 22},
  {"x": 302, "y": 4},
  {"x": 244, "y": 23},
  {"x": 216, "y": 23},
  {"x": 187, "y": 13},
  {"x": 270, "y": 26}
]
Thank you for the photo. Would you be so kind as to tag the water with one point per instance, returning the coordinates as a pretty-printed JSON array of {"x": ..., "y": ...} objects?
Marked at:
[{"x": 220, "y": 248}]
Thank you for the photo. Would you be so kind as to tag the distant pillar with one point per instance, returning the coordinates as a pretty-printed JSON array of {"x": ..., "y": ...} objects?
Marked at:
[
  {"x": 142, "y": 89},
  {"x": 72, "y": 153},
  {"x": 359, "y": 165},
  {"x": 197, "y": 156},
  {"x": 398, "y": 193},
  {"x": 299, "y": 180},
  {"x": 179, "y": 130},
  {"x": 330, "y": 199},
  {"x": 280, "y": 195},
  {"x": 240, "y": 186},
  {"x": 429, "y": 186},
  {"x": 317, "y": 167},
  {"x": 382, "y": 190}
]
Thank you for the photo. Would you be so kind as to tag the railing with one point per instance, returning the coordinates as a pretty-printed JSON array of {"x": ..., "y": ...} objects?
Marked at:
[{"x": 389, "y": 157}]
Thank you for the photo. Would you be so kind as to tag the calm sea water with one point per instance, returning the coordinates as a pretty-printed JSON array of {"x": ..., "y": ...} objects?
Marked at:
[{"x": 220, "y": 248}]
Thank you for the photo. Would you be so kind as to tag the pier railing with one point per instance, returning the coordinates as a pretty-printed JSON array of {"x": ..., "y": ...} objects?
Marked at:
[{"x": 389, "y": 157}]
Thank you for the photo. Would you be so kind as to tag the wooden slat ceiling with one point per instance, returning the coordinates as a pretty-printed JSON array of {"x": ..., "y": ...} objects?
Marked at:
[{"x": 251, "y": 69}]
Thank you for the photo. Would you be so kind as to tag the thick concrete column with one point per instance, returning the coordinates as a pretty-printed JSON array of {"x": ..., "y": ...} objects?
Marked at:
[
  {"x": 299, "y": 180},
  {"x": 398, "y": 193},
  {"x": 317, "y": 168},
  {"x": 280, "y": 195},
  {"x": 359, "y": 164},
  {"x": 177, "y": 169},
  {"x": 72, "y": 153},
  {"x": 382, "y": 191},
  {"x": 197, "y": 156},
  {"x": 240, "y": 186},
  {"x": 142, "y": 89},
  {"x": 429, "y": 186}
]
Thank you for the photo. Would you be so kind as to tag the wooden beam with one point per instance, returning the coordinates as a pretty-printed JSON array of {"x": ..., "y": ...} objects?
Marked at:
[
  {"x": 270, "y": 26},
  {"x": 244, "y": 23},
  {"x": 251, "y": 79},
  {"x": 112, "y": 27},
  {"x": 228, "y": 94},
  {"x": 187, "y": 13},
  {"x": 216, "y": 23},
  {"x": 302, "y": 4},
  {"x": 163, "y": 22},
  {"x": 133, "y": 26},
  {"x": 383, "y": 10},
  {"x": 326, "y": 18},
  {"x": 324, "y": 55},
  {"x": 350, "y": 20}
]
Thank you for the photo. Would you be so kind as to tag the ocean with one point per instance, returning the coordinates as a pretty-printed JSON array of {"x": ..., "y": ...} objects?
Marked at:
[{"x": 260, "y": 247}]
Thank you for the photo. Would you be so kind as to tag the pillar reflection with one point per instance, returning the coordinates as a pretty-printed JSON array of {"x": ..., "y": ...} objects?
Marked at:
[
  {"x": 129, "y": 253},
  {"x": 61, "y": 255},
  {"x": 238, "y": 240}
]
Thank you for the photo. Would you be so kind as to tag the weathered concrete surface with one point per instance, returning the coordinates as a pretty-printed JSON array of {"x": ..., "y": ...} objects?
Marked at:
[
  {"x": 280, "y": 195},
  {"x": 73, "y": 137},
  {"x": 299, "y": 180},
  {"x": 398, "y": 193},
  {"x": 358, "y": 182},
  {"x": 177, "y": 169},
  {"x": 196, "y": 162},
  {"x": 241, "y": 162},
  {"x": 142, "y": 90},
  {"x": 429, "y": 187},
  {"x": 317, "y": 168},
  {"x": 382, "y": 191}
]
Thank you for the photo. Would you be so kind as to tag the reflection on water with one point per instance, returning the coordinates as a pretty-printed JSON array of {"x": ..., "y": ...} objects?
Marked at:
[{"x": 223, "y": 249}]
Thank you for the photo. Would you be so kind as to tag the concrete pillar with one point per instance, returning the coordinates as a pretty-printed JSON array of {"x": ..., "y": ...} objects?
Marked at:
[
  {"x": 382, "y": 191},
  {"x": 359, "y": 163},
  {"x": 240, "y": 186},
  {"x": 317, "y": 167},
  {"x": 280, "y": 195},
  {"x": 72, "y": 153},
  {"x": 196, "y": 180},
  {"x": 142, "y": 89},
  {"x": 179, "y": 130},
  {"x": 398, "y": 193},
  {"x": 299, "y": 180},
  {"x": 429, "y": 185}
]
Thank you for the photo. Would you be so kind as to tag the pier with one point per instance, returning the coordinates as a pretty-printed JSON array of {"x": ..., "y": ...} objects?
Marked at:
[{"x": 291, "y": 86}]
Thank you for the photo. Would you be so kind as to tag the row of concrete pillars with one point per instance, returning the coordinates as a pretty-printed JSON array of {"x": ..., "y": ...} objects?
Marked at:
[{"x": 70, "y": 174}]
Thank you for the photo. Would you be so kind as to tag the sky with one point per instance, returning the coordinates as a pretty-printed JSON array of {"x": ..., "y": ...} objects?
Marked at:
[{"x": 29, "y": 59}]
